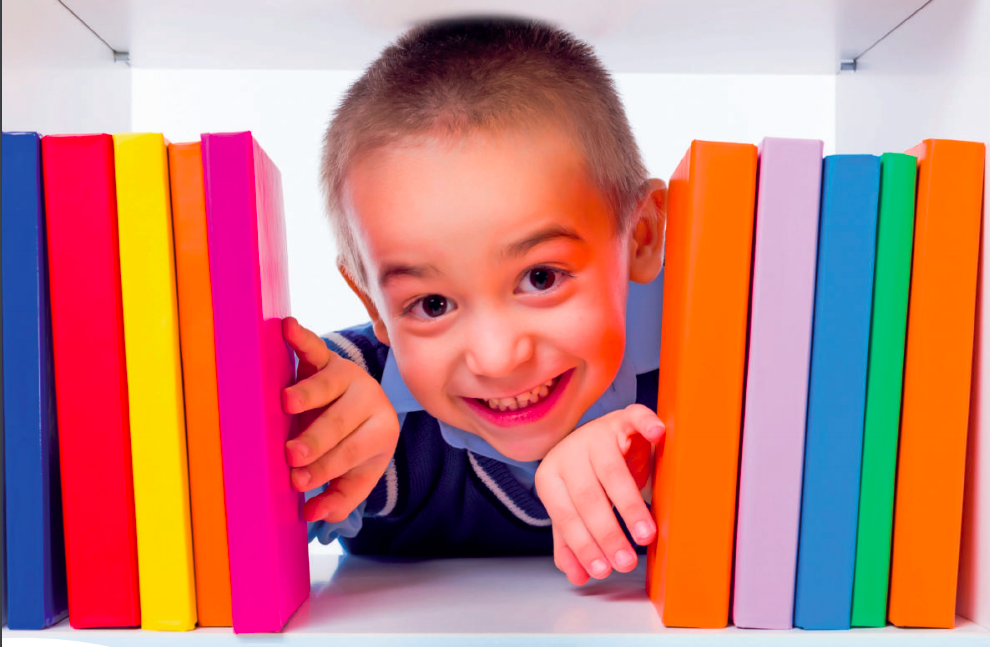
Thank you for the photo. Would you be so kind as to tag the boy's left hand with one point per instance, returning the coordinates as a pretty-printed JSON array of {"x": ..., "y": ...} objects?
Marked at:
[{"x": 600, "y": 464}]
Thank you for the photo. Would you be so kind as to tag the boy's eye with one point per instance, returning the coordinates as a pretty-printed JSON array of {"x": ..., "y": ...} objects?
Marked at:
[
  {"x": 433, "y": 305},
  {"x": 539, "y": 279}
]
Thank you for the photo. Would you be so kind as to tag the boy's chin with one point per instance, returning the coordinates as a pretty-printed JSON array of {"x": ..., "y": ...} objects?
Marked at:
[{"x": 523, "y": 455}]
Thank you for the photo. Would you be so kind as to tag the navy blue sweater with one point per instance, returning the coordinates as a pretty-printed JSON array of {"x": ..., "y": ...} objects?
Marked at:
[{"x": 439, "y": 501}]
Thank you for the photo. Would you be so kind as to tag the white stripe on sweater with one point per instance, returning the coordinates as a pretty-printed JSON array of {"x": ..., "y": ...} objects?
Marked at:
[
  {"x": 503, "y": 497},
  {"x": 353, "y": 352},
  {"x": 391, "y": 490}
]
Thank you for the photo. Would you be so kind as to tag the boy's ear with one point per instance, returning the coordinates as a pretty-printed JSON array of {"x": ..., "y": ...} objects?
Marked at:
[
  {"x": 649, "y": 233},
  {"x": 377, "y": 324}
]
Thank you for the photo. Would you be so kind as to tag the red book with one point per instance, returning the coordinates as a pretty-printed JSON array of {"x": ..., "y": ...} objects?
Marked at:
[{"x": 91, "y": 381}]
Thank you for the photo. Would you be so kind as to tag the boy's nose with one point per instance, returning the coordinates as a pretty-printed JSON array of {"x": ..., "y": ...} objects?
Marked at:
[{"x": 496, "y": 351}]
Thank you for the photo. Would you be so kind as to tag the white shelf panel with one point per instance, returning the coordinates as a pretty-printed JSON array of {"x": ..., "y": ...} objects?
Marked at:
[
  {"x": 358, "y": 601},
  {"x": 669, "y": 36}
]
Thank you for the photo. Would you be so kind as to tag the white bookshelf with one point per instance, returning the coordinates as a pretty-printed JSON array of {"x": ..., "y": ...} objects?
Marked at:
[
  {"x": 494, "y": 601},
  {"x": 923, "y": 70}
]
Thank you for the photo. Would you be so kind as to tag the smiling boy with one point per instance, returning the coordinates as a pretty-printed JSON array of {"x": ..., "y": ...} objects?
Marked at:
[{"x": 491, "y": 209}]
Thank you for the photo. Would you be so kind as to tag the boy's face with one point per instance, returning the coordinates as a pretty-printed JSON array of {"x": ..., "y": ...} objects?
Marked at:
[{"x": 498, "y": 278}]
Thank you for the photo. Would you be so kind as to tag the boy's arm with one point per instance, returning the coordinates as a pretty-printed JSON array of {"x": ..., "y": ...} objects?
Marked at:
[
  {"x": 600, "y": 464},
  {"x": 349, "y": 429}
]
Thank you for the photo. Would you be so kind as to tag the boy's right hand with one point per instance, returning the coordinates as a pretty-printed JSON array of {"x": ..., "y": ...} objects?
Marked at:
[{"x": 349, "y": 429}]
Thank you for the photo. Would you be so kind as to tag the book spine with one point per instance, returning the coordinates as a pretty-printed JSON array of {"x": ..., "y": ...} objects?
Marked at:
[
  {"x": 199, "y": 370},
  {"x": 772, "y": 451},
  {"x": 91, "y": 382},
  {"x": 35, "y": 541},
  {"x": 269, "y": 576},
  {"x": 279, "y": 372},
  {"x": 154, "y": 381},
  {"x": 891, "y": 285},
  {"x": 937, "y": 375},
  {"x": 702, "y": 363},
  {"x": 837, "y": 391}
]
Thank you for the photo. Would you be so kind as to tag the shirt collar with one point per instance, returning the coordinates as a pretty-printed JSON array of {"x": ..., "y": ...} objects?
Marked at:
[{"x": 643, "y": 319}]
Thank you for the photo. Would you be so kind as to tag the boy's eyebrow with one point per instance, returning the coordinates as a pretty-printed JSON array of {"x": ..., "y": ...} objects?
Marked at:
[
  {"x": 395, "y": 270},
  {"x": 546, "y": 234},
  {"x": 516, "y": 249}
]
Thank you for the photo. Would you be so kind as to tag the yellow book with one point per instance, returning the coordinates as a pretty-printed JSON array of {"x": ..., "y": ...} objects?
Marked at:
[{"x": 154, "y": 383}]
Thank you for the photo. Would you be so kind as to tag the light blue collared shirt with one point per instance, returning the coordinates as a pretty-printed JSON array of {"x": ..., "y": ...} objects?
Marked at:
[{"x": 642, "y": 355}]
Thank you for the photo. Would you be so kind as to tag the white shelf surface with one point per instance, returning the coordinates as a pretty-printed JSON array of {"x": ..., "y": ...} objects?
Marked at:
[
  {"x": 371, "y": 603},
  {"x": 662, "y": 36}
]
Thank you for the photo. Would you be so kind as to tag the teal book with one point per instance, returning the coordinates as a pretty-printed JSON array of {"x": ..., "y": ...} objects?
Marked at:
[{"x": 885, "y": 377}]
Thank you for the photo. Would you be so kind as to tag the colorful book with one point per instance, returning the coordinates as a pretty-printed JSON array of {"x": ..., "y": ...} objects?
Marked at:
[
  {"x": 702, "y": 363},
  {"x": 837, "y": 391},
  {"x": 772, "y": 451},
  {"x": 267, "y": 542},
  {"x": 937, "y": 374},
  {"x": 32, "y": 489},
  {"x": 891, "y": 285},
  {"x": 3, "y": 508},
  {"x": 154, "y": 383},
  {"x": 199, "y": 371},
  {"x": 91, "y": 381},
  {"x": 974, "y": 546}
]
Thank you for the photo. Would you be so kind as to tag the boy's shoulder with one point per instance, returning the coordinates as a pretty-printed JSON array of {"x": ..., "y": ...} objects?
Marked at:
[{"x": 360, "y": 345}]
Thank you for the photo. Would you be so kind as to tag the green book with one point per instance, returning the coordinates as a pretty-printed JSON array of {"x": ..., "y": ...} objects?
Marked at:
[{"x": 891, "y": 286}]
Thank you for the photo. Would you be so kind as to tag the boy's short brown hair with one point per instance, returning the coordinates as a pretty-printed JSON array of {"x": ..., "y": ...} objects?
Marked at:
[{"x": 454, "y": 77}]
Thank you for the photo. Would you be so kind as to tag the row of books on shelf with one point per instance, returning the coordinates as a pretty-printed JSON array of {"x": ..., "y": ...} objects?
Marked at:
[
  {"x": 815, "y": 359},
  {"x": 146, "y": 485}
]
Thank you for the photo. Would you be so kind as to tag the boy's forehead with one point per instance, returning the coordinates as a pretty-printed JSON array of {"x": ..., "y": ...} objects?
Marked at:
[
  {"x": 423, "y": 183},
  {"x": 535, "y": 159}
]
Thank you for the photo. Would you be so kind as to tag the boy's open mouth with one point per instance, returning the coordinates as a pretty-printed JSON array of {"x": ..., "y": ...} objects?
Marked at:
[
  {"x": 524, "y": 408},
  {"x": 522, "y": 400}
]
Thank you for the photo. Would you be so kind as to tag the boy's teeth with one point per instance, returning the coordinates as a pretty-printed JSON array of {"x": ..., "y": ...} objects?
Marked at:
[{"x": 522, "y": 400}]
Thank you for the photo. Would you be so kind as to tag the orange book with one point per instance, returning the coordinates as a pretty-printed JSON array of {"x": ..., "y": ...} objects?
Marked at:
[
  {"x": 702, "y": 363},
  {"x": 199, "y": 372},
  {"x": 937, "y": 372}
]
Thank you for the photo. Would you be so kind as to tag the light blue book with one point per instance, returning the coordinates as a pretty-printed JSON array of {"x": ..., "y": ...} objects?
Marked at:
[{"x": 837, "y": 392}]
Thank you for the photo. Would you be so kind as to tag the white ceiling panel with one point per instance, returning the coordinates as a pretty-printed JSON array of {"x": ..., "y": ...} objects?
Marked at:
[{"x": 669, "y": 36}]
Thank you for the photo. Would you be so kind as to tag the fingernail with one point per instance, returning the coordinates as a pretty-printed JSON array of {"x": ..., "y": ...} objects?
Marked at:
[
  {"x": 599, "y": 568},
  {"x": 656, "y": 430},
  {"x": 303, "y": 477},
  {"x": 643, "y": 530},
  {"x": 624, "y": 558},
  {"x": 301, "y": 449}
]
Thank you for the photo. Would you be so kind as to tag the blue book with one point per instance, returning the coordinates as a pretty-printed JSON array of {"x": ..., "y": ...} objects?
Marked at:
[
  {"x": 837, "y": 392},
  {"x": 35, "y": 546}
]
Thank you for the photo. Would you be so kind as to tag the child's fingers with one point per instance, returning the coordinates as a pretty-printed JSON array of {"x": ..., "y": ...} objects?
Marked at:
[
  {"x": 620, "y": 486},
  {"x": 559, "y": 500},
  {"x": 320, "y": 388},
  {"x": 343, "y": 495},
  {"x": 311, "y": 350},
  {"x": 324, "y": 431},
  {"x": 565, "y": 560},
  {"x": 595, "y": 509},
  {"x": 643, "y": 421},
  {"x": 372, "y": 439}
]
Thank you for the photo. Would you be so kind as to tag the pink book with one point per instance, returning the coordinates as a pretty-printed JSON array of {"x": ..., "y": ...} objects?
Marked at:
[
  {"x": 782, "y": 303},
  {"x": 267, "y": 542}
]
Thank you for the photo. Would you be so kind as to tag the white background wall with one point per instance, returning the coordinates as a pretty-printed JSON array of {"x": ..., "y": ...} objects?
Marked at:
[
  {"x": 288, "y": 112},
  {"x": 57, "y": 76}
]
